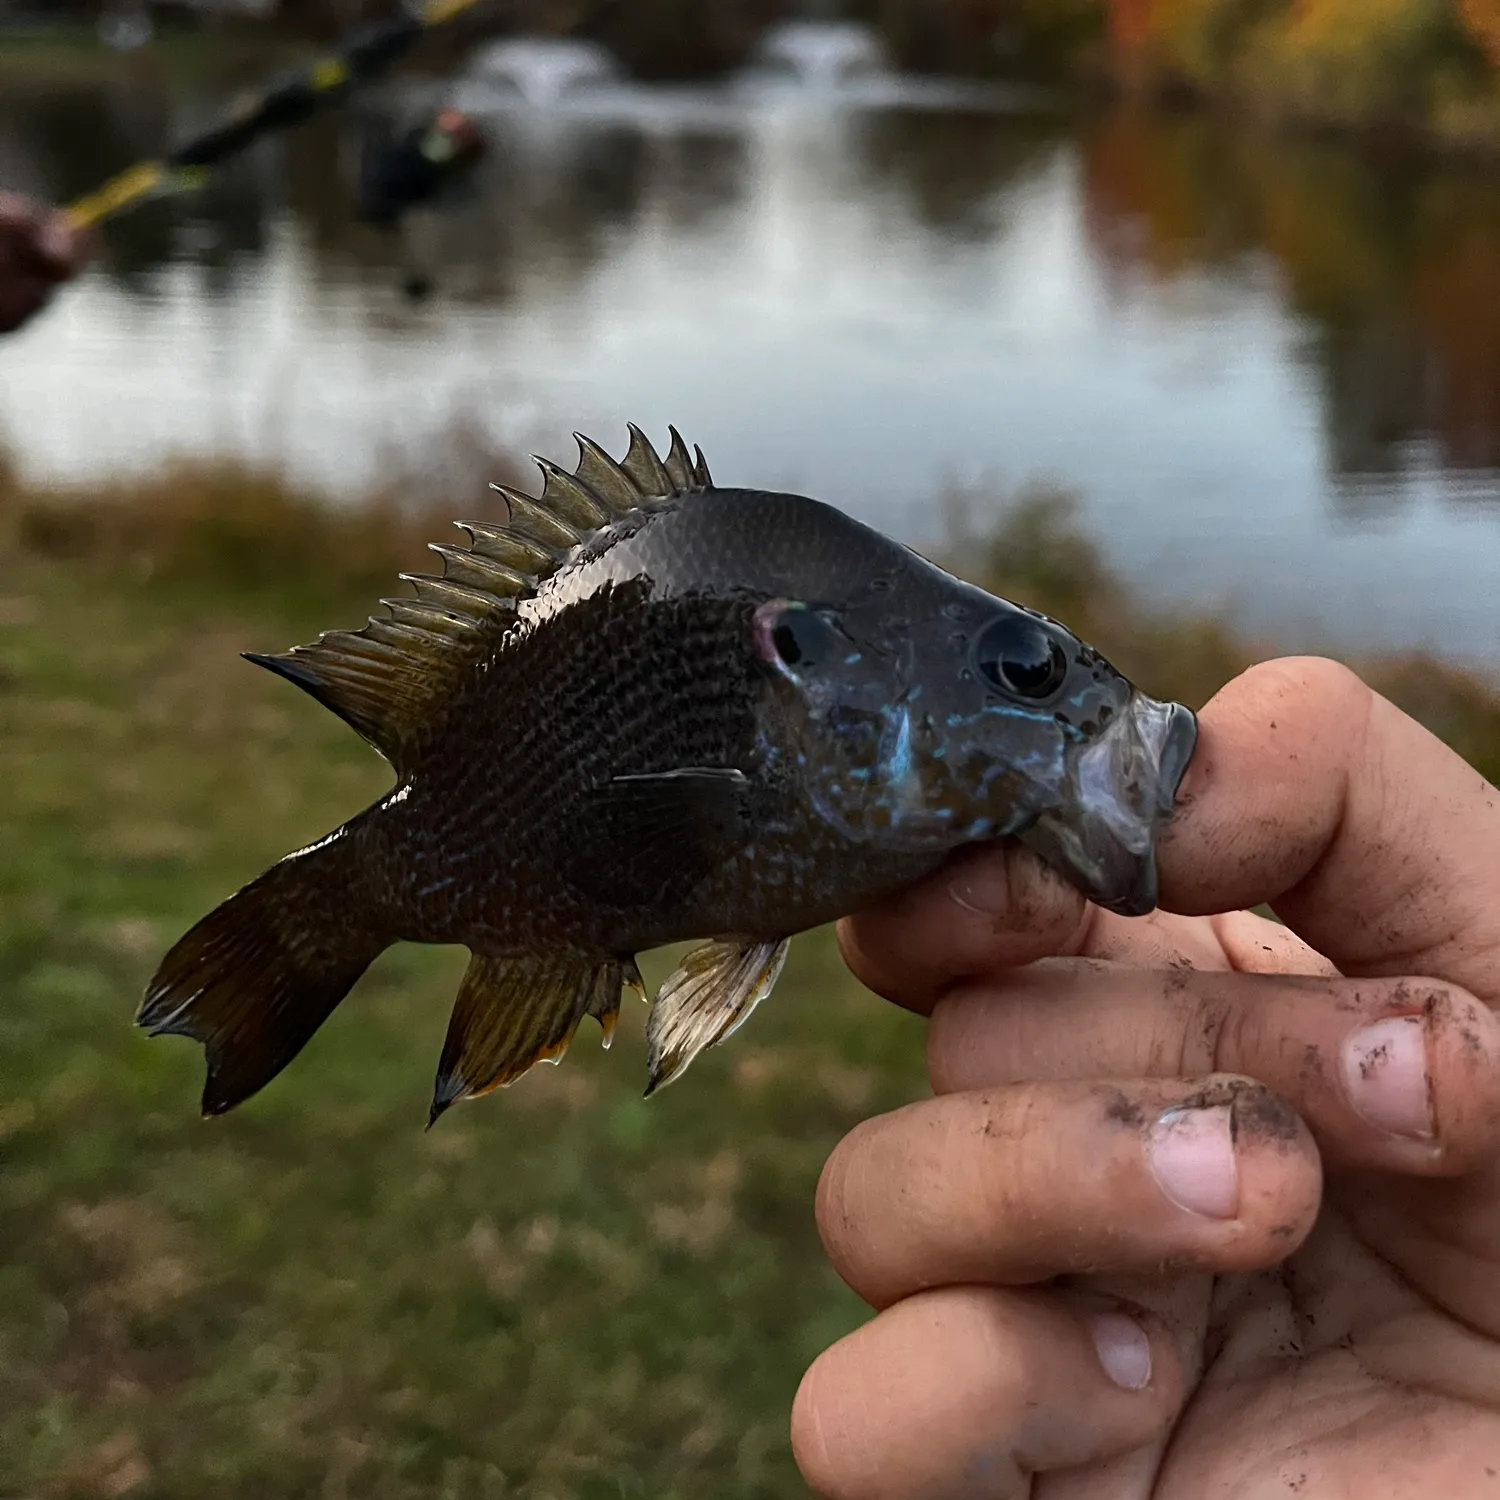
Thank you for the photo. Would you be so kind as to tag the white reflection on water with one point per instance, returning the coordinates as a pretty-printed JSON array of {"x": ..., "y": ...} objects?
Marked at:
[{"x": 814, "y": 333}]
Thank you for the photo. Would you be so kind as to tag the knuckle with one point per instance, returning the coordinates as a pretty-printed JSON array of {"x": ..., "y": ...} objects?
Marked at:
[
  {"x": 816, "y": 1449},
  {"x": 1316, "y": 679},
  {"x": 850, "y": 932},
  {"x": 1319, "y": 710},
  {"x": 970, "y": 1038},
  {"x": 834, "y": 1211},
  {"x": 1208, "y": 1039},
  {"x": 1010, "y": 1374},
  {"x": 947, "y": 1033},
  {"x": 1015, "y": 1158},
  {"x": 866, "y": 945}
]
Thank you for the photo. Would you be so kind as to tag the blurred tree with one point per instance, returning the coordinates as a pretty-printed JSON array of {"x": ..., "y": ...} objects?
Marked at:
[
  {"x": 1481, "y": 18},
  {"x": 1356, "y": 60},
  {"x": 663, "y": 39},
  {"x": 1456, "y": 290},
  {"x": 984, "y": 36},
  {"x": 1392, "y": 266}
]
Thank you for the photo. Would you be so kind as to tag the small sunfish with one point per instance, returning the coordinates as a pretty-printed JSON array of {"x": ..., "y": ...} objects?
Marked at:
[{"x": 647, "y": 710}]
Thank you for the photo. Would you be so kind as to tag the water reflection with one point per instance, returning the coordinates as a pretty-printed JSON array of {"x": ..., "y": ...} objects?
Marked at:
[
  {"x": 949, "y": 170},
  {"x": 1273, "y": 370},
  {"x": 541, "y": 71},
  {"x": 1393, "y": 264}
]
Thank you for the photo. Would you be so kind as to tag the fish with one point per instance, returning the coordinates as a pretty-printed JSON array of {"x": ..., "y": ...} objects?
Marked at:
[{"x": 645, "y": 710}]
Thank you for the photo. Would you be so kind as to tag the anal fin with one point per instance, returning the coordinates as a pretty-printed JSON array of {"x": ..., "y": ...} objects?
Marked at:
[
  {"x": 513, "y": 1013},
  {"x": 708, "y": 997}
]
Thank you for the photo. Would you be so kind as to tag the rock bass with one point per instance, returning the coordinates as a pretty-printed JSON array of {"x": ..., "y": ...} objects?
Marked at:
[{"x": 646, "y": 710}]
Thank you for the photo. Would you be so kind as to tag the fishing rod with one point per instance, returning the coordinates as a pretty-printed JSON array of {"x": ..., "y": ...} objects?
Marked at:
[{"x": 326, "y": 80}]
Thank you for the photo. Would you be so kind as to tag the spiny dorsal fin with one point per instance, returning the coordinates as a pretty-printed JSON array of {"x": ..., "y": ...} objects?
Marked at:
[
  {"x": 678, "y": 465},
  {"x": 391, "y": 679},
  {"x": 643, "y": 465}
]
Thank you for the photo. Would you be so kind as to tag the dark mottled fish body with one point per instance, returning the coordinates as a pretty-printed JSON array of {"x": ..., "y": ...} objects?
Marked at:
[
  {"x": 640, "y": 657},
  {"x": 648, "y": 710}
]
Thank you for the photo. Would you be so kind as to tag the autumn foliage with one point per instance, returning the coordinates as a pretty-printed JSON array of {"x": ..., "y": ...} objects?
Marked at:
[
  {"x": 1481, "y": 19},
  {"x": 1398, "y": 272},
  {"x": 1422, "y": 62}
]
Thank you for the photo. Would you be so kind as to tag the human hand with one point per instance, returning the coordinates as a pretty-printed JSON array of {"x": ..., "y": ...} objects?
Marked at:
[
  {"x": 1107, "y": 1265},
  {"x": 38, "y": 250}
]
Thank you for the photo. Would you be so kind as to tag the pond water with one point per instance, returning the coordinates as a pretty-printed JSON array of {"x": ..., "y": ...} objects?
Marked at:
[{"x": 1270, "y": 370}]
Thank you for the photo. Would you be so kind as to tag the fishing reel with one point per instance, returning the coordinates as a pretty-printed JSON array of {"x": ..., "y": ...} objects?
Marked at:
[{"x": 426, "y": 165}]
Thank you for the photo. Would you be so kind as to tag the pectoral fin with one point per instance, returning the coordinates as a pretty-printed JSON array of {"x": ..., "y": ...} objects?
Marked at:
[
  {"x": 650, "y": 839},
  {"x": 710, "y": 995},
  {"x": 513, "y": 1013}
]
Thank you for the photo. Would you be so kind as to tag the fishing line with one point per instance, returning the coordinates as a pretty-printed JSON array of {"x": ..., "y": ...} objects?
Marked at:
[{"x": 326, "y": 80}]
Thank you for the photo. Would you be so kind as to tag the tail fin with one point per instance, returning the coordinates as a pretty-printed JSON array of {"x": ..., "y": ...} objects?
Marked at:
[{"x": 258, "y": 975}]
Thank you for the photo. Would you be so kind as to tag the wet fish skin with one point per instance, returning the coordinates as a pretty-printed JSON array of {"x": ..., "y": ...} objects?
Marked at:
[{"x": 650, "y": 710}]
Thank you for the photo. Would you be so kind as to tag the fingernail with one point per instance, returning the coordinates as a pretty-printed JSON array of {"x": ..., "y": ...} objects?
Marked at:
[
  {"x": 1124, "y": 1349},
  {"x": 981, "y": 885},
  {"x": 1385, "y": 1076},
  {"x": 1191, "y": 1152}
]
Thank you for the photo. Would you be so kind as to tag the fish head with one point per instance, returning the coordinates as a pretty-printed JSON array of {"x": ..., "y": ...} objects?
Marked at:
[{"x": 927, "y": 713}]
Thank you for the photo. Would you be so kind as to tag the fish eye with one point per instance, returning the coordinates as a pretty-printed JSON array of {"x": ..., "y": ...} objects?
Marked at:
[{"x": 1020, "y": 656}]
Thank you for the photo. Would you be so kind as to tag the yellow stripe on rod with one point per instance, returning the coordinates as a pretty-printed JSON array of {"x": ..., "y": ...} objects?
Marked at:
[
  {"x": 132, "y": 185},
  {"x": 328, "y": 74},
  {"x": 145, "y": 178}
]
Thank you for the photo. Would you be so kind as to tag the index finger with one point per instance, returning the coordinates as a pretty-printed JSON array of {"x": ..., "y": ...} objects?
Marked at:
[
  {"x": 1367, "y": 836},
  {"x": 1364, "y": 832}
]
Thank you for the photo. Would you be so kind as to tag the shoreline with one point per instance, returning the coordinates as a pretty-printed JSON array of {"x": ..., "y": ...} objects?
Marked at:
[
  {"x": 1084, "y": 81},
  {"x": 228, "y": 531}
]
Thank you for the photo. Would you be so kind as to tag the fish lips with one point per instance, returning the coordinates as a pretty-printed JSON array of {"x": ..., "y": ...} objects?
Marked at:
[{"x": 1123, "y": 787}]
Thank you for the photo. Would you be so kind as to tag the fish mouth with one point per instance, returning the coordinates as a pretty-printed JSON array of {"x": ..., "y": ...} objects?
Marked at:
[{"x": 1122, "y": 790}]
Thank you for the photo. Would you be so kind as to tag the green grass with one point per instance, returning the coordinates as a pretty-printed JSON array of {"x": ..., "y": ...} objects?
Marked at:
[{"x": 562, "y": 1291}]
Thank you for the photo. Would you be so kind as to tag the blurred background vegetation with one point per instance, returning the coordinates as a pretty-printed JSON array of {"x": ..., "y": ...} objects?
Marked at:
[
  {"x": 1204, "y": 391},
  {"x": 1410, "y": 65},
  {"x": 1426, "y": 66}
]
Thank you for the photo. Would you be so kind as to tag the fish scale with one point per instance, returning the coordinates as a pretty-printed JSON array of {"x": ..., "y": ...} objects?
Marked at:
[{"x": 649, "y": 709}]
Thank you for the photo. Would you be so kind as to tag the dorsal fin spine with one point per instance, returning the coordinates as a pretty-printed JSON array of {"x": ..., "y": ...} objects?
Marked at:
[
  {"x": 530, "y": 519},
  {"x": 607, "y": 479},
  {"x": 393, "y": 678},
  {"x": 459, "y": 595},
  {"x": 431, "y": 619},
  {"x": 678, "y": 465},
  {"x": 576, "y": 501},
  {"x": 502, "y": 550},
  {"x": 645, "y": 467},
  {"x": 440, "y": 589}
]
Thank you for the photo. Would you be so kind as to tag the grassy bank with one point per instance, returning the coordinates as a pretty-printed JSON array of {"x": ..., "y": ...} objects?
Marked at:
[
  {"x": 565, "y": 1293},
  {"x": 560, "y": 1292}
]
